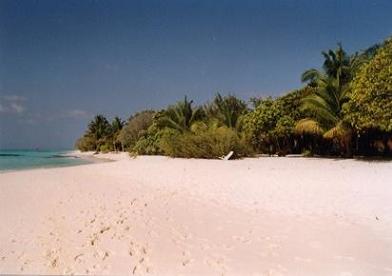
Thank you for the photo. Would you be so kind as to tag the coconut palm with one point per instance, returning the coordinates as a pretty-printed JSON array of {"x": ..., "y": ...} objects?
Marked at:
[
  {"x": 99, "y": 128},
  {"x": 227, "y": 110},
  {"x": 338, "y": 65},
  {"x": 325, "y": 105},
  {"x": 181, "y": 116},
  {"x": 116, "y": 126}
]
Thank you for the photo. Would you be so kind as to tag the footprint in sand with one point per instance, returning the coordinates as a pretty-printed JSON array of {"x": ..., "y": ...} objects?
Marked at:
[
  {"x": 186, "y": 258},
  {"x": 139, "y": 254},
  {"x": 217, "y": 262},
  {"x": 95, "y": 236},
  {"x": 78, "y": 258},
  {"x": 241, "y": 239}
]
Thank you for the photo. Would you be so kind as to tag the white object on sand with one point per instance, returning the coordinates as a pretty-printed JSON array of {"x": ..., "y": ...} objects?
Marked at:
[{"x": 228, "y": 156}]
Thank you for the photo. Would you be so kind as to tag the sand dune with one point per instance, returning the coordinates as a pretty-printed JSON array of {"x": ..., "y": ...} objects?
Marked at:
[{"x": 162, "y": 216}]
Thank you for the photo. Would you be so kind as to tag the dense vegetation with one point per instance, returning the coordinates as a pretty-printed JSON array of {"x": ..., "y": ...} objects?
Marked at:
[{"x": 344, "y": 109}]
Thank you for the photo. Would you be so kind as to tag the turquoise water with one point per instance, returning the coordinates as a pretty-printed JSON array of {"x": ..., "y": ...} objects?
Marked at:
[{"x": 28, "y": 159}]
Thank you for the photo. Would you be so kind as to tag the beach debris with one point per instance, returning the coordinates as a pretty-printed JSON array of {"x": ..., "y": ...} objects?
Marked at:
[{"x": 228, "y": 156}]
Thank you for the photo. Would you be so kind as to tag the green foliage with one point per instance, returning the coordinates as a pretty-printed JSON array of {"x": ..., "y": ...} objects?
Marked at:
[
  {"x": 337, "y": 65},
  {"x": 370, "y": 105},
  {"x": 135, "y": 129},
  {"x": 284, "y": 126},
  {"x": 116, "y": 127},
  {"x": 351, "y": 94},
  {"x": 100, "y": 135},
  {"x": 292, "y": 101},
  {"x": 204, "y": 141},
  {"x": 86, "y": 143},
  {"x": 309, "y": 126},
  {"x": 330, "y": 94},
  {"x": 98, "y": 132},
  {"x": 325, "y": 105},
  {"x": 99, "y": 127},
  {"x": 270, "y": 125},
  {"x": 180, "y": 116},
  {"x": 106, "y": 147},
  {"x": 149, "y": 142},
  {"x": 227, "y": 110}
]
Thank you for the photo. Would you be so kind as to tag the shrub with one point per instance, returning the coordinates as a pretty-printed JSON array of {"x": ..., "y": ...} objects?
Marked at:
[
  {"x": 370, "y": 105},
  {"x": 148, "y": 143},
  {"x": 269, "y": 128},
  {"x": 204, "y": 141},
  {"x": 105, "y": 148},
  {"x": 85, "y": 143},
  {"x": 135, "y": 128}
]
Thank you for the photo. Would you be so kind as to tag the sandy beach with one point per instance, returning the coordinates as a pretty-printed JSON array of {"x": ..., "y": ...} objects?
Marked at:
[{"x": 163, "y": 216}]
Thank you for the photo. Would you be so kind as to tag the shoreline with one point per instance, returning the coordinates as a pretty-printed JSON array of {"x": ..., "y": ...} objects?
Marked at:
[
  {"x": 89, "y": 157},
  {"x": 93, "y": 157}
]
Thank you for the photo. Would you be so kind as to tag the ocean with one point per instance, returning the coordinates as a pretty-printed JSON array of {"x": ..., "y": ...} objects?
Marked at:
[{"x": 29, "y": 159}]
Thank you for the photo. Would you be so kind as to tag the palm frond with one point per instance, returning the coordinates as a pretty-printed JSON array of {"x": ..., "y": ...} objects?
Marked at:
[
  {"x": 311, "y": 75},
  {"x": 321, "y": 110},
  {"x": 308, "y": 126},
  {"x": 340, "y": 131}
]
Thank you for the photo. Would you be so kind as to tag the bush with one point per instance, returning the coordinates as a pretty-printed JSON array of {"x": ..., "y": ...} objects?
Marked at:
[
  {"x": 370, "y": 104},
  {"x": 135, "y": 128},
  {"x": 148, "y": 143},
  {"x": 269, "y": 128},
  {"x": 105, "y": 148},
  {"x": 204, "y": 141},
  {"x": 85, "y": 143}
]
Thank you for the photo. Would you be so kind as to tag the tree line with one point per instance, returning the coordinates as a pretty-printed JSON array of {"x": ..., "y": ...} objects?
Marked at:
[{"x": 344, "y": 109}]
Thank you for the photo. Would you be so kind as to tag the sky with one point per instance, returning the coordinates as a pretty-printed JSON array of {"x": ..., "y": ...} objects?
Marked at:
[{"x": 62, "y": 62}]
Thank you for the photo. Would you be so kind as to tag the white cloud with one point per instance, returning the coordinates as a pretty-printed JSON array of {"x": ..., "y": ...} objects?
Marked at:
[
  {"x": 12, "y": 104},
  {"x": 17, "y": 107}
]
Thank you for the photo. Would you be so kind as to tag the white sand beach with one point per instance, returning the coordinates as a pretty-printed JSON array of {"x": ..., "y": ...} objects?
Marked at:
[{"x": 163, "y": 216}]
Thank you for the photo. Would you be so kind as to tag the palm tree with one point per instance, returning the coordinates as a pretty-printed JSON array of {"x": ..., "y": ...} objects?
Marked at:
[
  {"x": 227, "y": 110},
  {"x": 325, "y": 105},
  {"x": 99, "y": 128},
  {"x": 117, "y": 125},
  {"x": 181, "y": 116}
]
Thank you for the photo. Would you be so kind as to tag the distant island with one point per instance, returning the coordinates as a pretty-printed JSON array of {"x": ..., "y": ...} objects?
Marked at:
[{"x": 344, "y": 109}]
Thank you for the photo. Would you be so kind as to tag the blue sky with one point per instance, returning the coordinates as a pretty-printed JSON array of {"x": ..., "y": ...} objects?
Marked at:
[{"x": 61, "y": 62}]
